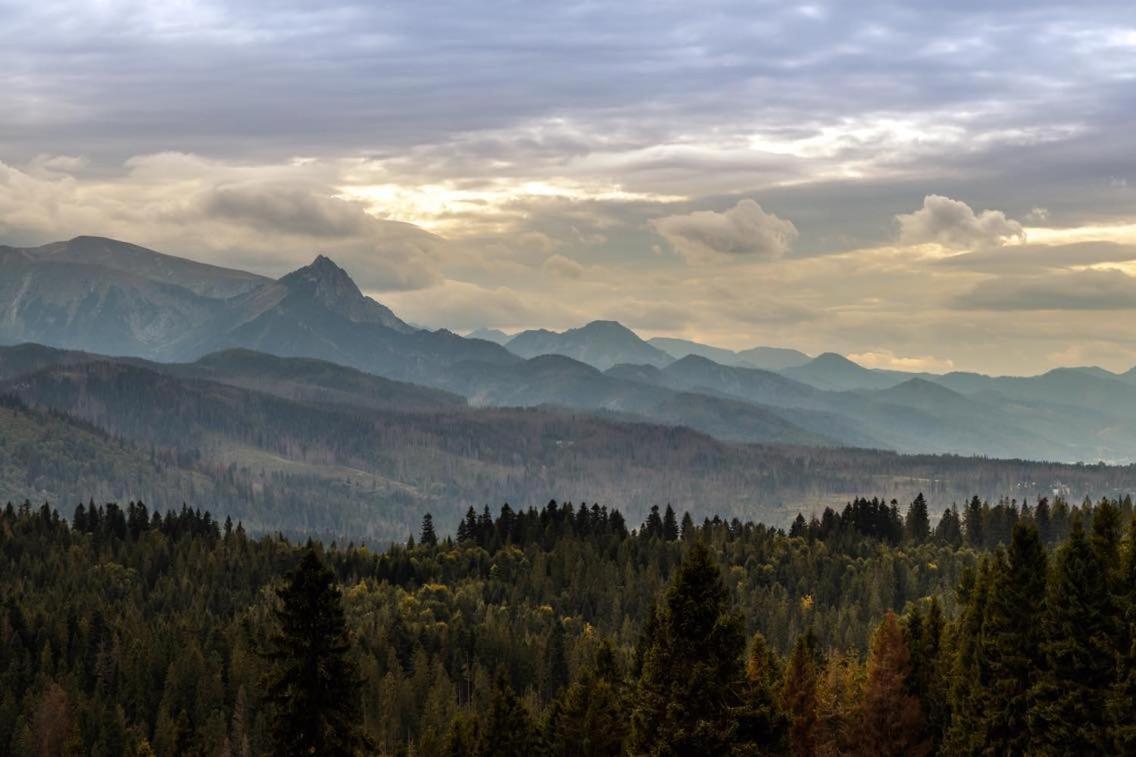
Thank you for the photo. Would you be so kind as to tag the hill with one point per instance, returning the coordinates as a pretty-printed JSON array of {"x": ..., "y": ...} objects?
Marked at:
[{"x": 601, "y": 344}]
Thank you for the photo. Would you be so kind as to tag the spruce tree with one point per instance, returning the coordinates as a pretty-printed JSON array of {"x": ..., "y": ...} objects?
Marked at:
[
  {"x": 428, "y": 536},
  {"x": 972, "y": 520},
  {"x": 591, "y": 721},
  {"x": 964, "y": 736},
  {"x": 314, "y": 687},
  {"x": 507, "y": 730},
  {"x": 691, "y": 683},
  {"x": 1011, "y": 640},
  {"x": 949, "y": 531},
  {"x": 1069, "y": 714},
  {"x": 670, "y": 525},
  {"x": 1122, "y": 699},
  {"x": 918, "y": 523}
]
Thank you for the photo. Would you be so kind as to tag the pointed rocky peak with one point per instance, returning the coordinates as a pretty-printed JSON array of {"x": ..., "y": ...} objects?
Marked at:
[
  {"x": 323, "y": 273},
  {"x": 324, "y": 282}
]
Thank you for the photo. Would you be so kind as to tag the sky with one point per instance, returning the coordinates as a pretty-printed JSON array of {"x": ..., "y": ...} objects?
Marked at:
[{"x": 918, "y": 185}]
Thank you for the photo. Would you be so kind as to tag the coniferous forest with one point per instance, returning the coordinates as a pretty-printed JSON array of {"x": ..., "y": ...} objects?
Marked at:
[{"x": 1005, "y": 628}]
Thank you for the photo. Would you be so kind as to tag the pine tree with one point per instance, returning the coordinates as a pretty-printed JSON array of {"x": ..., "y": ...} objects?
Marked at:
[
  {"x": 691, "y": 682},
  {"x": 670, "y": 525},
  {"x": 592, "y": 720},
  {"x": 972, "y": 520},
  {"x": 314, "y": 687},
  {"x": 428, "y": 537},
  {"x": 948, "y": 532},
  {"x": 1069, "y": 714},
  {"x": 964, "y": 736},
  {"x": 1011, "y": 640},
  {"x": 918, "y": 523},
  {"x": 1122, "y": 699},
  {"x": 687, "y": 532},
  {"x": 891, "y": 718},
  {"x": 508, "y": 730}
]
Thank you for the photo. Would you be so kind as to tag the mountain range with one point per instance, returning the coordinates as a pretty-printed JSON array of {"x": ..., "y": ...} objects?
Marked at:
[{"x": 104, "y": 297}]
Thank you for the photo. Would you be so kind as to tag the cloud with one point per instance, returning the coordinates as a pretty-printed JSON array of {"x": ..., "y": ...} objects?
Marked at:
[
  {"x": 889, "y": 360},
  {"x": 269, "y": 218},
  {"x": 744, "y": 230},
  {"x": 558, "y": 265},
  {"x": 954, "y": 224},
  {"x": 275, "y": 208},
  {"x": 1034, "y": 258},
  {"x": 1069, "y": 290}
]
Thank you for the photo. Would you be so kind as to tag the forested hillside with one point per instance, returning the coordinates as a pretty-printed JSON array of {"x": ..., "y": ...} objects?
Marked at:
[
  {"x": 309, "y": 447},
  {"x": 559, "y": 630}
]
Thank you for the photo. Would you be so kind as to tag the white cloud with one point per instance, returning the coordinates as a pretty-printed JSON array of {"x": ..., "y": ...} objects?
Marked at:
[
  {"x": 559, "y": 265},
  {"x": 952, "y": 223},
  {"x": 744, "y": 230}
]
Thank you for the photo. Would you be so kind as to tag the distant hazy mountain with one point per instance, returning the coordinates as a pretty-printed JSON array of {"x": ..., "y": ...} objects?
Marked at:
[
  {"x": 766, "y": 358},
  {"x": 557, "y": 380},
  {"x": 837, "y": 373},
  {"x": 600, "y": 344},
  {"x": 773, "y": 358},
  {"x": 313, "y": 337},
  {"x": 490, "y": 335},
  {"x": 114, "y": 298},
  {"x": 698, "y": 373},
  {"x": 200, "y": 278},
  {"x": 106, "y": 301}
]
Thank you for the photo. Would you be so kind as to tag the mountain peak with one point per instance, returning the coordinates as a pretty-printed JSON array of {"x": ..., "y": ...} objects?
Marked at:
[
  {"x": 601, "y": 344},
  {"x": 834, "y": 359},
  {"x": 323, "y": 281}
]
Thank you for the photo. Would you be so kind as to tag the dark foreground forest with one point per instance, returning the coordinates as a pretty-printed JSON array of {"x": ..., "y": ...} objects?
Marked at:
[{"x": 876, "y": 630}]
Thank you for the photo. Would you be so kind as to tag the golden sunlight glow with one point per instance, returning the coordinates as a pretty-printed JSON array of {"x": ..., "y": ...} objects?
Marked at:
[
  {"x": 1118, "y": 233},
  {"x": 494, "y": 207}
]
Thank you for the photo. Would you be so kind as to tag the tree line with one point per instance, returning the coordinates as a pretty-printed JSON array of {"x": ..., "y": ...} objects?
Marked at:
[{"x": 559, "y": 630}]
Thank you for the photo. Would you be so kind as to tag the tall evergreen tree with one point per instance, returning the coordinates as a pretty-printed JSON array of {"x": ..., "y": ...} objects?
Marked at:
[
  {"x": 428, "y": 537},
  {"x": 964, "y": 736},
  {"x": 592, "y": 721},
  {"x": 918, "y": 523},
  {"x": 1011, "y": 640},
  {"x": 314, "y": 686},
  {"x": 1122, "y": 700},
  {"x": 508, "y": 730},
  {"x": 670, "y": 525},
  {"x": 1069, "y": 714},
  {"x": 972, "y": 521},
  {"x": 948, "y": 532},
  {"x": 691, "y": 683}
]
